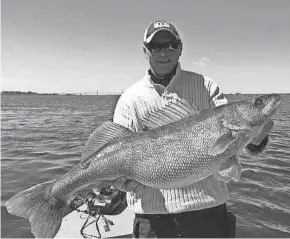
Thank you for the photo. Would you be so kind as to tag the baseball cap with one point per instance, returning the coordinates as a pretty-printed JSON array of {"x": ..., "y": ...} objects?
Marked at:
[{"x": 157, "y": 26}]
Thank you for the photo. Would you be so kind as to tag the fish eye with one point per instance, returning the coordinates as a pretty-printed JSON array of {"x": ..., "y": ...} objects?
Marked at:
[{"x": 259, "y": 101}]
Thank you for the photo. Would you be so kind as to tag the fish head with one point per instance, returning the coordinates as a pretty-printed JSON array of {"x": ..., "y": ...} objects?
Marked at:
[
  {"x": 245, "y": 120},
  {"x": 250, "y": 116},
  {"x": 256, "y": 112}
]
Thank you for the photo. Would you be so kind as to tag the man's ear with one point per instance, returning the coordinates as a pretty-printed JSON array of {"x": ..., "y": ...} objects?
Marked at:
[{"x": 145, "y": 52}]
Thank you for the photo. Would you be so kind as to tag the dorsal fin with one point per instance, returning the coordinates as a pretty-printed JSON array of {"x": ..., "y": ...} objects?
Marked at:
[
  {"x": 103, "y": 135},
  {"x": 169, "y": 109}
]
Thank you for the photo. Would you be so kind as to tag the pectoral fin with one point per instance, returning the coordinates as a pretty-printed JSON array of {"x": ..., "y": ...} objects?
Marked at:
[{"x": 221, "y": 143}]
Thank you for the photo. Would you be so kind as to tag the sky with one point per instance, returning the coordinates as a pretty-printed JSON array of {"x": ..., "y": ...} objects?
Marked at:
[{"x": 73, "y": 46}]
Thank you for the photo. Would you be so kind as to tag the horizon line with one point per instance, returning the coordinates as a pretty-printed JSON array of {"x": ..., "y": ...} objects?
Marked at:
[{"x": 113, "y": 92}]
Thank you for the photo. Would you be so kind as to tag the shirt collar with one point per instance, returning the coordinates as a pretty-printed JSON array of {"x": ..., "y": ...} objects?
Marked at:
[{"x": 151, "y": 84}]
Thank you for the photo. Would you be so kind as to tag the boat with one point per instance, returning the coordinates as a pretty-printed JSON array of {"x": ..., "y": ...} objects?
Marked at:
[{"x": 73, "y": 222}]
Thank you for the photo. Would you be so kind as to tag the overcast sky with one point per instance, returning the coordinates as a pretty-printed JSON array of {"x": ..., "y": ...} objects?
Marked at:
[{"x": 86, "y": 45}]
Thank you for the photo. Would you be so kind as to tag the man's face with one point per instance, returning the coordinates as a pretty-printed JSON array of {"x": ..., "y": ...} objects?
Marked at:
[{"x": 163, "y": 60}]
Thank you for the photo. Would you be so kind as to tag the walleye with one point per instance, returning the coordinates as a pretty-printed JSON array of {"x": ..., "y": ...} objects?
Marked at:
[{"x": 170, "y": 156}]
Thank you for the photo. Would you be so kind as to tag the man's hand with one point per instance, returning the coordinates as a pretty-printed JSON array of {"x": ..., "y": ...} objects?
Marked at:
[
  {"x": 259, "y": 143},
  {"x": 265, "y": 131},
  {"x": 122, "y": 184}
]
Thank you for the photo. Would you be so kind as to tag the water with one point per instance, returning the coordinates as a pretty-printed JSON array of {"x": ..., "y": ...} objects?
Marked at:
[{"x": 42, "y": 137}]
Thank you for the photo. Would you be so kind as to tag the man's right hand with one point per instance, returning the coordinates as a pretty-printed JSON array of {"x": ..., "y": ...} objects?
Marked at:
[{"x": 124, "y": 184}]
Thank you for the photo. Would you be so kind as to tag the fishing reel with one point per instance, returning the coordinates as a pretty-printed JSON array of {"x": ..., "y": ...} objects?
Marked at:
[{"x": 107, "y": 201}]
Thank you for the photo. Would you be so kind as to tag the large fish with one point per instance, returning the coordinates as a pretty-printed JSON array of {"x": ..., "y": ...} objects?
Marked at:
[{"x": 173, "y": 155}]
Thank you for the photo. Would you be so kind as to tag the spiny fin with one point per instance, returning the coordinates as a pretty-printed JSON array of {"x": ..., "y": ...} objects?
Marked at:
[
  {"x": 167, "y": 109},
  {"x": 44, "y": 212},
  {"x": 231, "y": 169},
  {"x": 103, "y": 135},
  {"x": 221, "y": 143}
]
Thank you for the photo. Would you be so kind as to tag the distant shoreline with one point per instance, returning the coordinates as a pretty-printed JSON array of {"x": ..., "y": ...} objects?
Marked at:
[
  {"x": 86, "y": 94},
  {"x": 51, "y": 94},
  {"x": 25, "y": 93}
]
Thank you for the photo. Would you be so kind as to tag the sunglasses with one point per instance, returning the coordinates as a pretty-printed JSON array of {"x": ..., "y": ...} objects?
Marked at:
[{"x": 154, "y": 47}]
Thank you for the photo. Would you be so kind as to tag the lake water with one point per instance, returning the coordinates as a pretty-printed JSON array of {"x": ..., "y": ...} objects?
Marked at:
[{"x": 42, "y": 137}]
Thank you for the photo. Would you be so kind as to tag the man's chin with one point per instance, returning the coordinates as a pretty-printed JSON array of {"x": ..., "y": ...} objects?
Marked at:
[
  {"x": 164, "y": 73},
  {"x": 164, "y": 70}
]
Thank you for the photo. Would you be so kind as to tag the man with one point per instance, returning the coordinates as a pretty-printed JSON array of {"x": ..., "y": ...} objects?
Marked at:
[{"x": 198, "y": 210}]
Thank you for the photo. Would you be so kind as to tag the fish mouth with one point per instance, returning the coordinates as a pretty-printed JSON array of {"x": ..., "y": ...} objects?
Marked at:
[{"x": 273, "y": 105}]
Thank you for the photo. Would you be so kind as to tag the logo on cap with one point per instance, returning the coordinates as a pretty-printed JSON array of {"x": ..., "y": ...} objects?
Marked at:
[{"x": 159, "y": 24}]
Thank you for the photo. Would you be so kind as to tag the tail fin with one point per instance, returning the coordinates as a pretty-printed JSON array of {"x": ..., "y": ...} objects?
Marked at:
[{"x": 44, "y": 212}]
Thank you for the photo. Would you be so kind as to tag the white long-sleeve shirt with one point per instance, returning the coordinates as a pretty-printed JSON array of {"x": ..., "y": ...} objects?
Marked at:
[{"x": 201, "y": 92}]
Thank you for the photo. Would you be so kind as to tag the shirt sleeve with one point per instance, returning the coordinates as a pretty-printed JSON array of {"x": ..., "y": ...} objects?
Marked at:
[{"x": 216, "y": 95}]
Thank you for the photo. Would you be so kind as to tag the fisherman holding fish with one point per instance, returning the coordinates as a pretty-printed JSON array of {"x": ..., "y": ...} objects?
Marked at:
[
  {"x": 172, "y": 146},
  {"x": 197, "y": 210}
]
